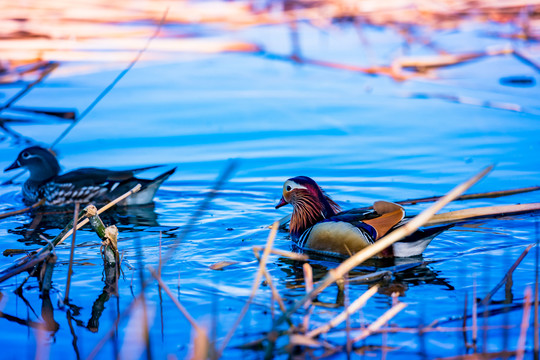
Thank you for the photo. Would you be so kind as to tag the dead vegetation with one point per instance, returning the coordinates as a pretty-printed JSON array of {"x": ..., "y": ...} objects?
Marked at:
[{"x": 36, "y": 37}]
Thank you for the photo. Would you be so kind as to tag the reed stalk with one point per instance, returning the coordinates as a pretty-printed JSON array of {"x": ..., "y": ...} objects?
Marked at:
[
  {"x": 354, "y": 307},
  {"x": 254, "y": 288},
  {"x": 383, "y": 319},
  {"x": 71, "y": 253}
]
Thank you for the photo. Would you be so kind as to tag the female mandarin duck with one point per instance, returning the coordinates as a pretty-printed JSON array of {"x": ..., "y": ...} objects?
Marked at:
[
  {"x": 81, "y": 185},
  {"x": 318, "y": 224}
]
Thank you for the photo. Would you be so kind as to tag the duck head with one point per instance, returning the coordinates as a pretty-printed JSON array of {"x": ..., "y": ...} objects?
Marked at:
[
  {"x": 41, "y": 163},
  {"x": 310, "y": 204}
]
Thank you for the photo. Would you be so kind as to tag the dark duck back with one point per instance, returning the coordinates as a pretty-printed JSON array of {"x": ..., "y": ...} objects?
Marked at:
[{"x": 82, "y": 185}]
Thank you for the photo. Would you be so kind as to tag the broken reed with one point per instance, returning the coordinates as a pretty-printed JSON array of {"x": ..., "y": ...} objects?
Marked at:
[{"x": 29, "y": 261}]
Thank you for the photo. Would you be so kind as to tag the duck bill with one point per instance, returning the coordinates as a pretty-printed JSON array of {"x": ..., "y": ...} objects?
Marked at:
[
  {"x": 13, "y": 166},
  {"x": 281, "y": 203}
]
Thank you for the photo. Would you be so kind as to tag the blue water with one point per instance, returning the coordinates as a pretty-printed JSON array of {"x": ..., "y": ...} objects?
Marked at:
[{"x": 362, "y": 138}]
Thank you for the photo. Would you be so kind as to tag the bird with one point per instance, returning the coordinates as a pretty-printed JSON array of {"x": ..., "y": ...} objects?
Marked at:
[
  {"x": 82, "y": 185},
  {"x": 317, "y": 223}
]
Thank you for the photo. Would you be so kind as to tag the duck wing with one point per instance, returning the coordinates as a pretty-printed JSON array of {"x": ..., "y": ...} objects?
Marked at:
[
  {"x": 96, "y": 176},
  {"x": 101, "y": 185},
  {"x": 351, "y": 231}
]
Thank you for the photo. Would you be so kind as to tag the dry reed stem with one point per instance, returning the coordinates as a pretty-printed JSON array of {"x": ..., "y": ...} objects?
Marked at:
[
  {"x": 422, "y": 63},
  {"x": 254, "y": 288},
  {"x": 520, "y": 351},
  {"x": 160, "y": 261},
  {"x": 355, "y": 306},
  {"x": 102, "y": 45},
  {"x": 270, "y": 282},
  {"x": 526, "y": 59},
  {"x": 288, "y": 254},
  {"x": 383, "y": 319},
  {"x": 201, "y": 345},
  {"x": 507, "y": 276},
  {"x": 101, "y": 210},
  {"x": 175, "y": 300},
  {"x": 308, "y": 276},
  {"x": 374, "y": 249},
  {"x": 474, "y": 317},
  {"x": 482, "y": 356},
  {"x": 536, "y": 332},
  {"x": 438, "y": 329},
  {"x": 72, "y": 251},
  {"x": 21, "y": 211},
  {"x": 465, "y": 214},
  {"x": 490, "y": 194},
  {"x": 222, "y": 264},
  {"x": 465, "y": 303},
  {"x": 302, "y": 340}
]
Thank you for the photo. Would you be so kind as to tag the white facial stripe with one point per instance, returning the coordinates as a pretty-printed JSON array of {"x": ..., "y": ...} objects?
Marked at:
[
  {"x": 29, "y": 157},
  {"x": 293, "y": 185}
]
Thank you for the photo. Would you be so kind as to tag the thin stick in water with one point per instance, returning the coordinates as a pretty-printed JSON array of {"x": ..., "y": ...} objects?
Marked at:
[
  {"x": 355, "y": 306},
  {"x": 21, "y": 211},
  {"x": 507, "y": 276},
  {"x": 70, "y": 267},
  {"x": 254, "y": 288},
  {"x": 383, "y": 319},
  {"x": 520, "y": 351}
]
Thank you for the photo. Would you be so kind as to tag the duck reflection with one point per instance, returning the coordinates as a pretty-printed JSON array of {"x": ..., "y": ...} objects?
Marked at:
[
  {"x": 393, "y": 275},
  {"x": 126, "y": 218},
  {"x": 109, "y": 290}
]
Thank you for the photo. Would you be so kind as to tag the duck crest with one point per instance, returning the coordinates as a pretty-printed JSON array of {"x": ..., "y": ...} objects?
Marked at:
[{"x": 311, "y": 205}]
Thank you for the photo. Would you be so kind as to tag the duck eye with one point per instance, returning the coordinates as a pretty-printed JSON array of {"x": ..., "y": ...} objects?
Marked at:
[
  {"x": 25, "y": 155},
  {"x": 289, "y": 187}
]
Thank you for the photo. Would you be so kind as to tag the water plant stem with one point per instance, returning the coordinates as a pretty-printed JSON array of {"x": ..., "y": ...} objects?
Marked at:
[{"x": 70, "y": 267}]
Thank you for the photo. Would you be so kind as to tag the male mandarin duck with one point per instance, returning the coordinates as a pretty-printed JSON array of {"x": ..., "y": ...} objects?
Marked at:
[
  {"x": 81, "y": 185},
  {"x": 318, "y": 224}
]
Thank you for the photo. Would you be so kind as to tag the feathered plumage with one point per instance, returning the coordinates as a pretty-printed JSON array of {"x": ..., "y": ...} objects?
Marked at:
[
  {"x": 81, "y": 185},
  {"x": 318, "y": 224}
]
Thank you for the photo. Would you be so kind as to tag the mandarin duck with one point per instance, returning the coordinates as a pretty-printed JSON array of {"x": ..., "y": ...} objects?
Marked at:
[
  {"x": 318, "y": 224},
  {"x": 81, "y": 185}
]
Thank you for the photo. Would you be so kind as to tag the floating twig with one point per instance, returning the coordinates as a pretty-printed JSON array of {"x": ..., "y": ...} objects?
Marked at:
[
  {"x": 288, "y": 254},
  {"x": 220, "y": 265},
  {"x": 473, "y": 213},
  {"x": 21, "y": 211},
  {"x": 489, "y": 194}
]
